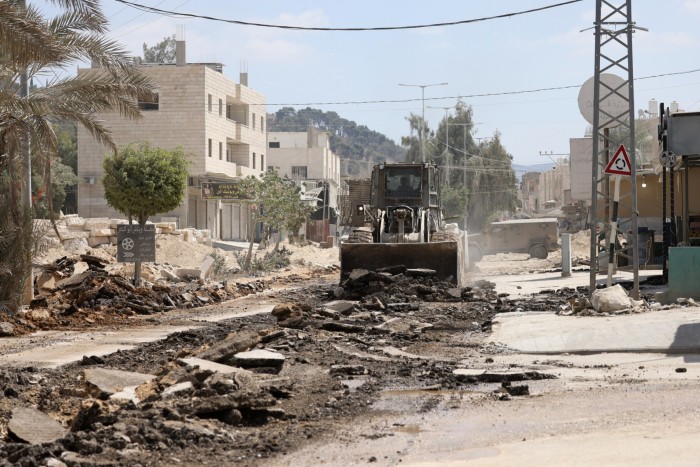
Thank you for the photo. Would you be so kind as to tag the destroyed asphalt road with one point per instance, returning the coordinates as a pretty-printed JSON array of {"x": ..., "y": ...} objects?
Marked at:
[{"x": 380, "y": 369}]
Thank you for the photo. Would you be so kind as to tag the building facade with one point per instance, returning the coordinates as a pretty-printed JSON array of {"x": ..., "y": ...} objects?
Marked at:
[
  {"x": 306, "y": 157},
  {"x": 219, "y": 123}
]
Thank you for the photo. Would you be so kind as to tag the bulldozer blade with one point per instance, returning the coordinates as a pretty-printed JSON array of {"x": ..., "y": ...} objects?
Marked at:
[{"x": 443, "y": 257}]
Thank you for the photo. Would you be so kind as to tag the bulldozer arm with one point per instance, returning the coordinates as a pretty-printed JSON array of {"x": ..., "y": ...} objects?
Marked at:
[{"x": 446, "y": 258}]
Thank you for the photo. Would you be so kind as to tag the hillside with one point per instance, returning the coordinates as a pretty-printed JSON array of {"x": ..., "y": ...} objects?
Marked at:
[{"x": 358, "y": 146}]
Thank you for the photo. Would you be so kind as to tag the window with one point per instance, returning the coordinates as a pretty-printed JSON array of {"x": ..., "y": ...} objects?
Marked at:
[
  {"x": 209, "y": 149},
  {"x": 149, "y": 103},
  {"x": 274, "y": 144},
  {"x": 253, "y": 123},
  {"x": 262, "y": 161},
  {"x": 221, "y": 108},
  {"x": 221, "y": 150},
  {"x": 299, "y": 171},
  {"x": 228, "y": 154},
  {"x": 209, "y": 102},
  {"x": 253, "y": 160},
  {"x": 262, "y": 124}
]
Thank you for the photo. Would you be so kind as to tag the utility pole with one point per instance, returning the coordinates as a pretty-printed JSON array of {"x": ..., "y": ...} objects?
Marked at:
[
  {"x": 422, "y": 126},
  {"x": 613, "y": 105}
]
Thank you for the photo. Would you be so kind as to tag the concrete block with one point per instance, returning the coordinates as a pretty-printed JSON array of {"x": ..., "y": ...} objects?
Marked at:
[
  {"x": 102, "y": 232},
  {"x": 167, "y": 225},
  {"x": 113, "y": 223},
  {"x": 94, "y": 242},
  {"x": 97, "y": 223},
  {"x": 206, "y": 265},
  {"x": 75, "y": 245},
  {"x": 113, "y": 240},
  {"x": 186, "y": 273},
  {"x": 71, "y": 234},
  {"x": 72, "y": 220}
]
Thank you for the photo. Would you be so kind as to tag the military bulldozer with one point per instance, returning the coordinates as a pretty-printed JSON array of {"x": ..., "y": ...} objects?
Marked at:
[{"x": 402, "y": 223}]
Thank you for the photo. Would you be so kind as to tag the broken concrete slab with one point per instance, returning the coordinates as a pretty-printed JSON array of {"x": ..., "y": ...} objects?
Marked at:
[
  {"x": 259, "y": 358},
  {"x": 34, "y": 427},
  {"x": 178, "y": 389},
  {"x": 215, "y": 367},
  {"x": 344, "y": 307},
  {"x": 224, "y": 351},
  {"x": 189, "y": 273},
  {"x": 105, "y": 382},
  {"x": 126, "y": 394},
  {"x": 206, "y": 265}
]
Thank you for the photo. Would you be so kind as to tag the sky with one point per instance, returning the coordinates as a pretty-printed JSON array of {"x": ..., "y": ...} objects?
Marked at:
[{"x": 322, "y": 69}]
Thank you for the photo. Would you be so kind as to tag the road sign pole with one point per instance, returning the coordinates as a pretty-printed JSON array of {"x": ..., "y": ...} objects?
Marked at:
[{"x": 613, "y": 230}]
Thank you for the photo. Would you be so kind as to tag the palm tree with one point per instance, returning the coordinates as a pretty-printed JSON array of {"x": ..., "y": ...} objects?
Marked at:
[{"x": 32, "y": 47}]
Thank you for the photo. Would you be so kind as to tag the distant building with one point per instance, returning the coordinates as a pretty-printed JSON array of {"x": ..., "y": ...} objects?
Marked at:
[
  {"x": 529, "y": 192},
  {"x": 307, "y": 159},
  {"x": 220, "y": 123}
]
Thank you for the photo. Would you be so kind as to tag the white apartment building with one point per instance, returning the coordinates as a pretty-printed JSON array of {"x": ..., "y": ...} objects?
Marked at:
[
  {"x": 218, "y": 122},
  {"x": 304, "y": 155},
  {"x": 306, "y": 158}
]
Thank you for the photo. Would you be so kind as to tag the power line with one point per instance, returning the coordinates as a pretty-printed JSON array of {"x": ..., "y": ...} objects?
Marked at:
[
  {"x": 146, "y": 24},
  {"x": 174, "y": 14},
  {"x": 489, "y": 94}
]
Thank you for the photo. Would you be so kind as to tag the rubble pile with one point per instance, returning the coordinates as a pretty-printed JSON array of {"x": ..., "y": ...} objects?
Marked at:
[
  {"x": 76, "y": 233},
  {"x": 65, "y": 290},
  {"x": 207, "y": 392}
]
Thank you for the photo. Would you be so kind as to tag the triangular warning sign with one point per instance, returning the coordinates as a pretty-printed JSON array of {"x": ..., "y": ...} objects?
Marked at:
[{"x": 620, "y": 164}]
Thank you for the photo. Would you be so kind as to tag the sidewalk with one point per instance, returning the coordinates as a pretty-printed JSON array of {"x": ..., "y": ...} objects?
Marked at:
[{"x": 662, "y": 331}]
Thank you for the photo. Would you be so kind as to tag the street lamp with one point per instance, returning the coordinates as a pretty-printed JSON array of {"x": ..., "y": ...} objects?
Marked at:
[{"x": 422, "y": 89}]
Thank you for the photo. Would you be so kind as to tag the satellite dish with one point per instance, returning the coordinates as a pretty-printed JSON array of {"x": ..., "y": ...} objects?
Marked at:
[{"x": 614, "y": 104}]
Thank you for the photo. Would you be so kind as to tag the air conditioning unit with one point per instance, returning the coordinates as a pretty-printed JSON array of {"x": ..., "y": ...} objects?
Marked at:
[{"x": 90, "y": 180}]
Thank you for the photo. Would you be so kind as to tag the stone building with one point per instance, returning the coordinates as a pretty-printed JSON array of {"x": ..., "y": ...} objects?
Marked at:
[{"x": 218, "y": 122}]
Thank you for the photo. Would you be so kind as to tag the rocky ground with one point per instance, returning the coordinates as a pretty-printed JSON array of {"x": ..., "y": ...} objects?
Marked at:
[{"x": 249, "y": 389}]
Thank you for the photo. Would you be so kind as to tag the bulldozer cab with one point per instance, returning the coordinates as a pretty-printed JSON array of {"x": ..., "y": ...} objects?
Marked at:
[{"x": 405, "y": 184}]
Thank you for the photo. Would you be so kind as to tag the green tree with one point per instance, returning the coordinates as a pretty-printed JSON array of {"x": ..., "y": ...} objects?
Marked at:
[
  {"x": 491, "y": 182},
  {"x": 275, "y": 202},
  {"x": 413, "y": 141},
  {"x": 31, "y": 46},
  {"x": 141, "y": 181},
  {"x": 67, "y": 148},
  {"x": 478, "y": 179},
  {"x": 162, "y": 52}
]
